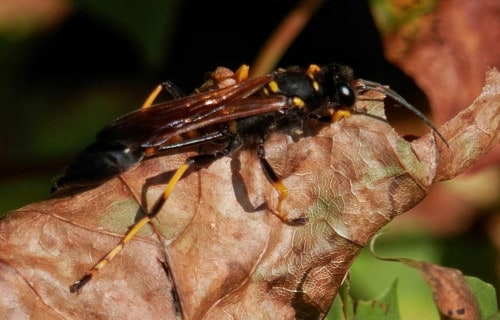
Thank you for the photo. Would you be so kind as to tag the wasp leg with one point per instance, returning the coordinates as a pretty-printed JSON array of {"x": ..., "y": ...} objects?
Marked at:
[
  {"x": 241, "y": 74},
  {"x": 167, "y": 86},
  {"x": 198, "y": 160},
  {"x": 278, "y": 185},
  {"x": 339, "y": 114},
  {"x": 336, "y": 116}
]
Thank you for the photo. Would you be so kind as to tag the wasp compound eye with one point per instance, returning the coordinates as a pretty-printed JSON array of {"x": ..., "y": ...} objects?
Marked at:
[{"x": 345, "y": 94}]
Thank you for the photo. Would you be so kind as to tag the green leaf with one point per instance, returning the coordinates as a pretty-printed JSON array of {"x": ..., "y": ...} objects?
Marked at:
[
  {"x": 336, "y": 310},
  {"x": 342, "y": 307},
  {"x": 495, "y": 316},
  {"x": 485, "y": 296},
  {"x": 384, "y": 306},
  {"x": 392, "y": 15}
]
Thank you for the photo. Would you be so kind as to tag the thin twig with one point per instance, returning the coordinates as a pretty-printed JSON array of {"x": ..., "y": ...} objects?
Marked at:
[{"x": 283, "y": 36}]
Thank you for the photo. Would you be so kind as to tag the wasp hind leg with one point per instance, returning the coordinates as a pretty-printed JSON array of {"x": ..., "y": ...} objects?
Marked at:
[
  {"x": 278, "y": 186},
  {"x": 198, "y": 161},
  {"x": 166, "y": 86},
  {"x": 241, "y": 74}
]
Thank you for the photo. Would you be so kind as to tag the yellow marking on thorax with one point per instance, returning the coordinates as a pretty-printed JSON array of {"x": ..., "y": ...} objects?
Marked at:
[
  {"x": 273, "y": 86},
  {"x": 311, "y": 73},
  {"x": 312, "y": 70},
  {"x": 298, "y": 102}
]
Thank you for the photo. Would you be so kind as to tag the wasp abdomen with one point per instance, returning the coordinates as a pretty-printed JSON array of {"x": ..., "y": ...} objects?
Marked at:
[{"x": 99, "y": 163}]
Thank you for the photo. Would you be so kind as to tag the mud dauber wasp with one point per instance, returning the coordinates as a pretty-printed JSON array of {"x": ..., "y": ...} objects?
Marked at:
[{"x": 236, "y": 115}]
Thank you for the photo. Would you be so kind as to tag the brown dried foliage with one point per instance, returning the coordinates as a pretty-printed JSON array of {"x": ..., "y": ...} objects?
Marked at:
[
  {"x": 446, "y": 47},
  {"x": 452, "y": 293},
  {"x": 446, "y": 51},
  {"x": 227, "y": 254}
]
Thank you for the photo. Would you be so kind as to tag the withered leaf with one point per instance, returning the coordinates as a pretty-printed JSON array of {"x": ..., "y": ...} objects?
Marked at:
[
  {"x": 452, "y": 294},
  {"x": 445, "y": 47},
  {"x": 228, "y": 256}
]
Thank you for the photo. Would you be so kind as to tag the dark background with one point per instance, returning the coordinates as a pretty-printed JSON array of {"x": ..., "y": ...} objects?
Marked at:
[{"x": 60, "y": 85}]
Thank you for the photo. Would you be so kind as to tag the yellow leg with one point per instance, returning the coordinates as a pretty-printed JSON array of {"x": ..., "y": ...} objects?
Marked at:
[
  {"x": 241, "y": 74},
  {"x": 78, "y": 285},
  {"x": 278, "y": 186},
  {"x": 164, "y": 86},
  {"x": 339, "y": 114},
  {"x": 283, "y": 194},
  {"x": 152, "y": 97}
]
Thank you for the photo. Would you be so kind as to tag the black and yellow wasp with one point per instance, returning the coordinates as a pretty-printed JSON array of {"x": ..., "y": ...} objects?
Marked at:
[{"x": 237, "y": 115}]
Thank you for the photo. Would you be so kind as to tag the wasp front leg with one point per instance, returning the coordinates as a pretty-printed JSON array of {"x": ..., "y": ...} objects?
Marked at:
[
  {"x": 340, "y": 114},
  {"x": 337, "y": 115}
]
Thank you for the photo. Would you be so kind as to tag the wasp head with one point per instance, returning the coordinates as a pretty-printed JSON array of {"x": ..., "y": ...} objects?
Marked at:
[{"x": 336, "y": 81}]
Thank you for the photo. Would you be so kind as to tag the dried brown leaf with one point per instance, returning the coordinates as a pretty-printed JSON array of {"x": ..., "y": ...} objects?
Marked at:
[
  {"x": 472, "y": 133},
  {"x": 229, "y": 257},
  {"x": 452, "y": 293},
  {"x": 445, "y": 47}
]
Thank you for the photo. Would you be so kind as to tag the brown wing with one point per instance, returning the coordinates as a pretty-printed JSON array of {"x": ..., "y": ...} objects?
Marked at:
[
  {"x": 153, "y": 126},
  {"x": 238, "y": 109}
]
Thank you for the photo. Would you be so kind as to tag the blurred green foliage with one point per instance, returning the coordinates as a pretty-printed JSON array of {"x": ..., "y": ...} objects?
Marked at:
[
  {"x": 59, "y": 86},
  {"x": 148, "y": 25}
]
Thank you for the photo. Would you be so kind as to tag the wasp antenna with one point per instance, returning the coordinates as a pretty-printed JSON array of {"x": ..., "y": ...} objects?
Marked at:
[{"x": 375, "y": 86}]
